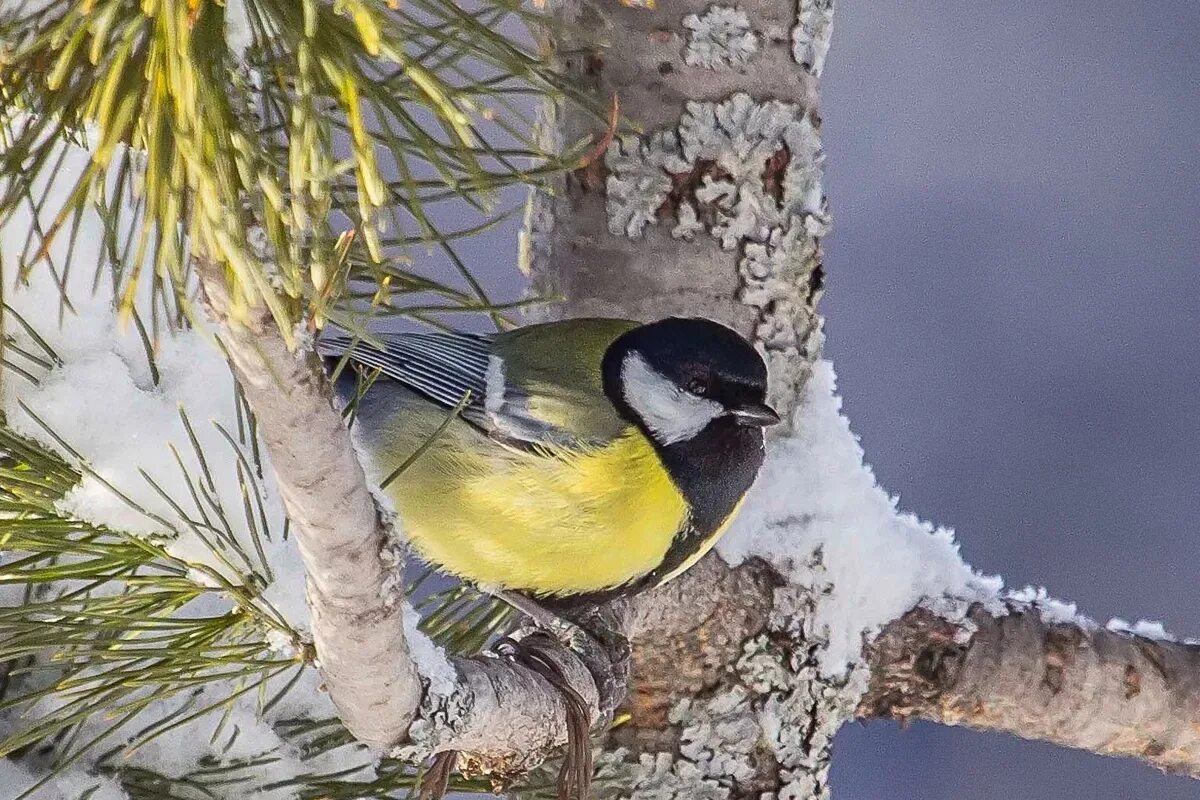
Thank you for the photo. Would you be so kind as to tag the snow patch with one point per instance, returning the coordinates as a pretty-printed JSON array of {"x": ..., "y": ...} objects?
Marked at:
[
  {"x": 1146, "y": 629},
  {"x": 817, "y": 514},
  {"x": 133, "y": 435},
  {"x": 1050, "y": 609},
  {"x": 69, "y": 785},
  {"x": 430, "y": 659},
  {"x": 239, "y": 35}
]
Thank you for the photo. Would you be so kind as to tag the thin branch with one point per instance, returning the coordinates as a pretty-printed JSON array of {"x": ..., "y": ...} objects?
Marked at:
[{"x": 356, "y": 612}]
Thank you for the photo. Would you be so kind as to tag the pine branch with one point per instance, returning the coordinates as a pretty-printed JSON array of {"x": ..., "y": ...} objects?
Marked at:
[
  {"x": 182, "y": 124},
  {"x": 355, "y": 606}
]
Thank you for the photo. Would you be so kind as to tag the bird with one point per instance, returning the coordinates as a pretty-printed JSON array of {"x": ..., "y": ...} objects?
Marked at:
[{"x": 579, "y": 459}]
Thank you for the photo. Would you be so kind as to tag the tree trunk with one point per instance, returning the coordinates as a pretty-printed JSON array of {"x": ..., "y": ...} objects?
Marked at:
[{"x": 716, "y": 209}]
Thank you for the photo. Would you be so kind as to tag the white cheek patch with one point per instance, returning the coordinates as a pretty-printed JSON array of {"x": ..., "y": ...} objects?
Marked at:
[{"x": 670, "y": 413}]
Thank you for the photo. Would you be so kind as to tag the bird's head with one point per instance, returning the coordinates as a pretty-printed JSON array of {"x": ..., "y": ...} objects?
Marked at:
[{"x": 679, "y": 376}]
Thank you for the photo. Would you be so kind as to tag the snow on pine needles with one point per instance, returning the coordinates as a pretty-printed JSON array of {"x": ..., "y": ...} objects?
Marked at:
[{"x": 209, "y": 661}]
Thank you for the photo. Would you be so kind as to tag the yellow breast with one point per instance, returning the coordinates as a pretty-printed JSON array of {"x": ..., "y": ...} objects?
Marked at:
[{"x": 557, "y": 522}]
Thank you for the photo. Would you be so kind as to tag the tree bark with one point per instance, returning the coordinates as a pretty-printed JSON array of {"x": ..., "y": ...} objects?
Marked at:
[{"x": 1080, "y": 686}]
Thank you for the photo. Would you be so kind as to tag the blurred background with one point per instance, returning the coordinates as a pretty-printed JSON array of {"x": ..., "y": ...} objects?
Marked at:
[
  {"x": 1013, "y": 308},
  {"x": 1014, "y": 313}
]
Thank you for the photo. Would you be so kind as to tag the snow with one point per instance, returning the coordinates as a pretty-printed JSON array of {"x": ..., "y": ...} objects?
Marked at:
[
  {"x": 1144, "y": 628},
  {"x": 430, "y": 659},
  {"x": 239, "y": 35},
  {"x": 237, "y": 732},
  {"x": 104, "y": 403},
  {"x": 1051, "y": 610},
  {"x": 24, "y": 6},
  {"x": 818, "y": 515},
  {"x": 70, "y": 785}
]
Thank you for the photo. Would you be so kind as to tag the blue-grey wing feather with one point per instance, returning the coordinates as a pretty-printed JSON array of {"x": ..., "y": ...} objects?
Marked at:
[{"x": 442, "y": 367}]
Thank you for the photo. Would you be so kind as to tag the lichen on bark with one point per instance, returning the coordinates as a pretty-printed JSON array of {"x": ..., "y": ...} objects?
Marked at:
[
  {"x": 720, "y": 38},
  {"x": 749, "y": 174}
]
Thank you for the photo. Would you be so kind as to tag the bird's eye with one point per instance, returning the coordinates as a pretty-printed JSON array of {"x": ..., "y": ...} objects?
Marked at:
[{"x": 697, "y": 386}]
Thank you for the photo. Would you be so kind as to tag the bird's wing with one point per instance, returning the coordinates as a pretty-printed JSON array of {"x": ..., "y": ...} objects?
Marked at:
[
  {"x": 442, "y": 367},
  {"x": 530, "y": 386}
]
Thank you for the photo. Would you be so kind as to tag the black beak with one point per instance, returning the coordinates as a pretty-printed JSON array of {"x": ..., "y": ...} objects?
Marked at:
[{"x": 758, "y": 415}]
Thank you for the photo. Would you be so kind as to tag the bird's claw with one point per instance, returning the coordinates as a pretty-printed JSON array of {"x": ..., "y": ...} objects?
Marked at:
[
  {"x": 593, "y": 635},
  {"x": 536, "y": 651}
]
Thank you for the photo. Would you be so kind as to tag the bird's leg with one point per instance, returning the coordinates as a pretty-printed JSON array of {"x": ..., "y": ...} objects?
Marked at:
[
  {"x": 541, "y": 616},
  {"x": 534, "y": 649},
  {"x": 605, "y": 648},
  {"x": 535, "y": 652}
]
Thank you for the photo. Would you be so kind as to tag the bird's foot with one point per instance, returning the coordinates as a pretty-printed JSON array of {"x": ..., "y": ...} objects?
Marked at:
[
  {"x": 593, "y": 633},
  {"x": 535, "y": 651}
]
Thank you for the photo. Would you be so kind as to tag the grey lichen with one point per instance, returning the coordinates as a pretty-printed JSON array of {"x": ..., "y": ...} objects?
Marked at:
[
  {"x": 640, "y": 179},
  {"x": 689, "y": 224},
  {"x": 733, "y": 142},
  {"x": 720, "y": 38},
  {"x": 810, "y": 37},
  {"x": 535, "y": 241},
  {"x": 800, "y": 709},
  {"x": 718, "y": 735},
  {"x": 767, "y": 729},
  {"x": 652, "y": 776},
  {"x": 718, "y": 739},
  {"x": 748, "y": 173},
  {"x": 742, "y": 136}
]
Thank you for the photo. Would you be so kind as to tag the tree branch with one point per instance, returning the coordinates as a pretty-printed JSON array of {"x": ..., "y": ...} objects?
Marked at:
[
  {"x": 643, "y": 235},
  {"x": 1079, "y": 686},
  {"x": 355, "y": 607},
  {"x": 1075, "y": 685}
]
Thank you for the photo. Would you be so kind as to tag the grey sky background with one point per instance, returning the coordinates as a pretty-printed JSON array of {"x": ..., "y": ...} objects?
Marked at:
[{"x": 1013, "y": 310}]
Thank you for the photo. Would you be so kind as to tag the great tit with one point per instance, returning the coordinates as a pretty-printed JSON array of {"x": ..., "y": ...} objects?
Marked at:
[{"x": 579, "y": 459}]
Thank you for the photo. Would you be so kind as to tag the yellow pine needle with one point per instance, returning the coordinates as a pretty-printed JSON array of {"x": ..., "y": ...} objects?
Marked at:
[{"x": 366, "y": 24}]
